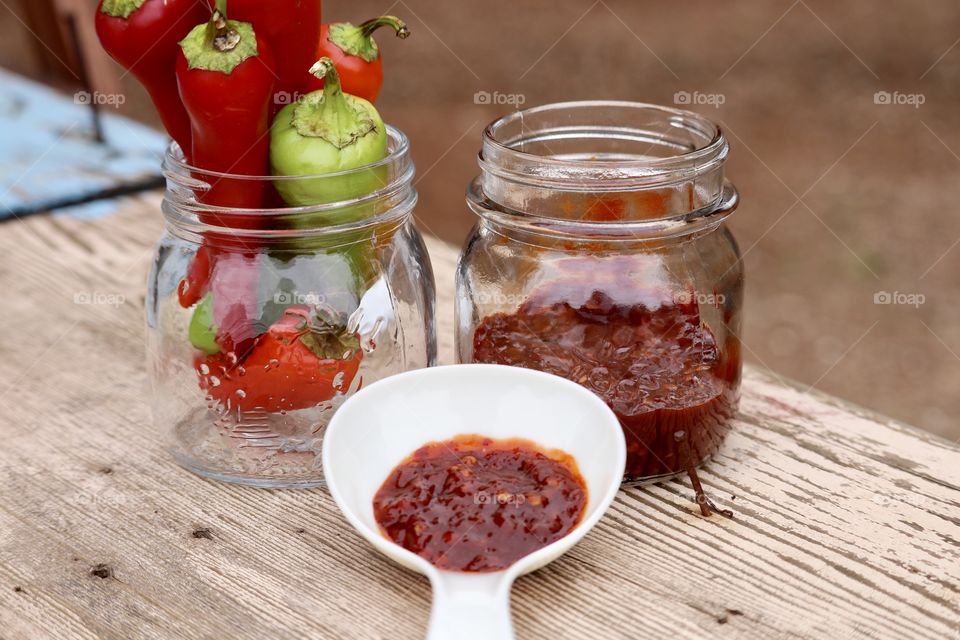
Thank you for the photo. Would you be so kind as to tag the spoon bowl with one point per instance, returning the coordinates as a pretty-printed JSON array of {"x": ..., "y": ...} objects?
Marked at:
[{"x": 377, "y": 428}]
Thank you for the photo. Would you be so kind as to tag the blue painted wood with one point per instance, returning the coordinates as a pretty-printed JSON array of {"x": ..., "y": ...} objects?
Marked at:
[{"x": 49, "y": 155}]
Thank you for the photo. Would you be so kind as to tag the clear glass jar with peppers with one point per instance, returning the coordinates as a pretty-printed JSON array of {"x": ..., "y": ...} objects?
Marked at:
[
  {"x": 291, "y": 273},
  {"x": 258, "y": 332},
  {"x": 601, "y": 255}
]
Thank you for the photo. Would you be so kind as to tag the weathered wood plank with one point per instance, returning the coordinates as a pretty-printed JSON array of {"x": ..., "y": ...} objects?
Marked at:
[{"x": 846, "y": 524}]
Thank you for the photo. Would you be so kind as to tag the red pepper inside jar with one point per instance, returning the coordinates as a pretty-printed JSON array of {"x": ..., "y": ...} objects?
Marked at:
[{"x": 601, "y": 255}]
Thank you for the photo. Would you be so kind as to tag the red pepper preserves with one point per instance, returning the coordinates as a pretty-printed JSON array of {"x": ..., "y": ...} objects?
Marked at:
[
  {"x": 654, "y": 362},
  {"x": 478, "y": 504}
]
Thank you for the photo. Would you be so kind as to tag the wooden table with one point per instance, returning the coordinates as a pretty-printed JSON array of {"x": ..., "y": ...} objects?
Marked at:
[{"x": 846, "y": 524}]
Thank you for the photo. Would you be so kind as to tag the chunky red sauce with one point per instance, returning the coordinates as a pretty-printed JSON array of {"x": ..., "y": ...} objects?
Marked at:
[
  {"x": 477, "y": 504},
  {"x": 654, "y": 362}
]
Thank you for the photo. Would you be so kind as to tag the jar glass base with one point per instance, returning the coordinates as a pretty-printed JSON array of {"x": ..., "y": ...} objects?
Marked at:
[
  {"x": 310, "y": 481},
  {"x": 268, "y": 454}
]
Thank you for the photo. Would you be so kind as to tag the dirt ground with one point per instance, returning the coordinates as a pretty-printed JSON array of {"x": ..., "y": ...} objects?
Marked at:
[{"x": 846, "y": 193}]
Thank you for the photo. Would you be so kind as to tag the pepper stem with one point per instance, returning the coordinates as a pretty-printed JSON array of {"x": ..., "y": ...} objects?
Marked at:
[
  {"x": 338, "y": 118},
  {"x": 222, "y": 7},
  {"x": 220, "y": 44},
  {"x": 220, "y": 33},
  {"x": 399, "y": 26},
  {"x": 120, "y": 8},
  {"x": 324, "y": 69},
  {"x": 358, "y": 41}
]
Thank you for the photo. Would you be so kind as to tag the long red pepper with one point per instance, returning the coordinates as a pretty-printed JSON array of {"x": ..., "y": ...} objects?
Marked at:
[
  {"x": 356, "y": 55},
  {"x": 225, "y": 74},
  {"x": 142, "y": 36},
  {"x": 291, "y": 28}
]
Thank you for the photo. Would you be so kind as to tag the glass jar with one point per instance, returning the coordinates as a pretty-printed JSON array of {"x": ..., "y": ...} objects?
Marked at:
[
  {"x": 261, "y": 322},
  {"x": 601, "y": 255}
]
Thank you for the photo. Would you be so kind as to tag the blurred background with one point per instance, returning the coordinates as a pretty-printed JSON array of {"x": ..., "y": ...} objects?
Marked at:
[{"x": 842, "y": 120}]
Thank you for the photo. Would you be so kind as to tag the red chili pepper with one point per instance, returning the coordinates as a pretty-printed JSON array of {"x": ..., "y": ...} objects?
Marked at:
[
  {"x": 225, "y": 73},
  {"x": 142, "y": 36},
  {"x": 194, "y": 284},
  {"x": 291, "y": 29},
  {"x": 301, "y": 361},
  {"x": 356, "y": 55}
]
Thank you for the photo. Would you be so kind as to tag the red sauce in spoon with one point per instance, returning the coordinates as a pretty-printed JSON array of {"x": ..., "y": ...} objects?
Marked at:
[{"x": 478, "y": 504}]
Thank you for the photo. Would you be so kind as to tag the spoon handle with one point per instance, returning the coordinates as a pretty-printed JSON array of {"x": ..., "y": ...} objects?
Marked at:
[{"x": 462, "y": 611}]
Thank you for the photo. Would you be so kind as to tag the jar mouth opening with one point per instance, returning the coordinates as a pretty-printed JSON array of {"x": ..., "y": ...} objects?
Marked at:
[
  {"x": 398, "y": 146},
  {"x": 377, "y": 194},
  {"x": 609, "y": 163},
  {"x": 602, "y": 144},
  {"x": 391, "y": 176}
]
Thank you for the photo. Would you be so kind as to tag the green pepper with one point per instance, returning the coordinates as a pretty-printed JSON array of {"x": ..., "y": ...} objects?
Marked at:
[
  {"x": 328, "y": 132},
  {"x": 203, "y": 330}
]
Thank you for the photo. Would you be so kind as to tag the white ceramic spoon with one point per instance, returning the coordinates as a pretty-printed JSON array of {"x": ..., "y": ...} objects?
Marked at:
[{"x": 378, "y": 427}]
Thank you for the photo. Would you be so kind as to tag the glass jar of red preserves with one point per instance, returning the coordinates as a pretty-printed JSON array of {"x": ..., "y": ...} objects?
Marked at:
[{"x": 601, "y": 255}]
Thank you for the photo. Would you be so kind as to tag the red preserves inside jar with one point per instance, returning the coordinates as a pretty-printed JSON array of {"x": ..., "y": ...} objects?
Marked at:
[{"x": 646, "y": 353}]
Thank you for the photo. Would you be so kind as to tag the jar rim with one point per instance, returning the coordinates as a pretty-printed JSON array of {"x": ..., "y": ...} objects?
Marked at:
[
  {"x": 398, "y": 147},
  {"x": 392, "y": 200},
  {"x": 546, "y": 167},
  {"x": 500, "y": 152},
  {"x": 185, "y": 180}
]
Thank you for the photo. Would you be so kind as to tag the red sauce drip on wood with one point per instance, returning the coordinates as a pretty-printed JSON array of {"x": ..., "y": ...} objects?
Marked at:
[
  {"x": 656, "y": 365},
  {"x": 478, "y": 504}
]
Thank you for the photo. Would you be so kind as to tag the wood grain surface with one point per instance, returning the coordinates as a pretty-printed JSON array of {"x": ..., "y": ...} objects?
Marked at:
[{"x": 846, "y": 525}]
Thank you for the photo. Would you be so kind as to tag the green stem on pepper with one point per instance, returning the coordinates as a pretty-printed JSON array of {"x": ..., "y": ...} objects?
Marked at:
[
  {"x": 399, "y": 26},
  {"x": 358, "y": 40},
  {"x": 120, "y": 8}
]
